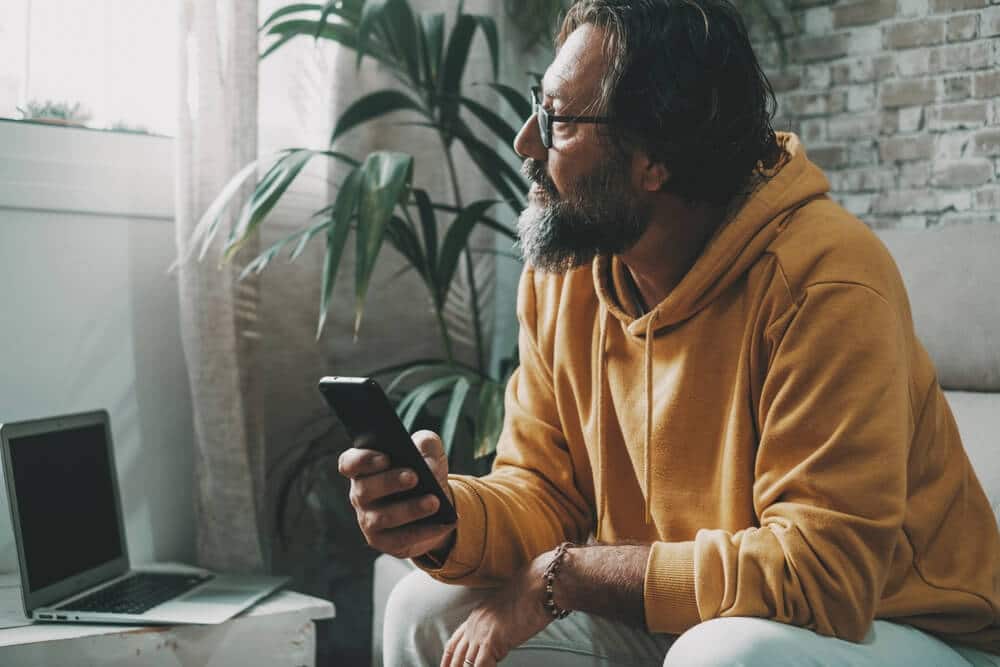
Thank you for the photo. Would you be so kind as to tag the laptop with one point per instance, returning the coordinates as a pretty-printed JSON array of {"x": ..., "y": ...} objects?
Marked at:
[{"x": 66, "y": 513}]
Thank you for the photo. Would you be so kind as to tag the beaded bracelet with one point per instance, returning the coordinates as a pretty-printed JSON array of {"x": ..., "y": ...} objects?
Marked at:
[{"x": 550, "y": 576}]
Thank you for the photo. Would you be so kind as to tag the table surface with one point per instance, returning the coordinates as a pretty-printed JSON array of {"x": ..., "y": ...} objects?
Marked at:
[{"x": 279, "y": 604}]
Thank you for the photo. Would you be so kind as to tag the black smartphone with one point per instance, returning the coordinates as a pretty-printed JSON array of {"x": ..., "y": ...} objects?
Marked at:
[{"x": 365, "y": 411}]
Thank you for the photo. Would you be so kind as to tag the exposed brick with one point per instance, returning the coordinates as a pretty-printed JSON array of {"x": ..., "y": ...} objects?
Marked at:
[
  {"x": 911, "y": 119},
  {"x": 957, "y": 87},
  {"x": 863, "y": 13},
  {"x": 864, "y": 179},
  {"x": 813, "y": 130},
  {"x": 964, "y": 115},
  {"x": 962, "y": 28},
  {"x": 988, "y": 198},
  {"x": 816, "y": 77},
  {"x": 783, "y": 82},
  {"x": 991, "y": 22},
  {"x": 962, "y": 173},
  {"x": 813, "y": 49},
  {"x": 829, "y": 157},
  {"x": 914, "y": 174},
  {"x": 865, "y": 40},
  {"x": 818, "y": 21},
  {"x": 922, "y": 32},
  {"x": 975, "y": 55},
  {"x": 948, "y": 6},
  {"x": 987, "y": 142},
  {"x": 902, "y": 149},
  {"x": 816, "y": 104},
  {"x": 908, "y": 93},
  {"x": 908, "y": 201},
  {"x": 986, "y": 85},
  {"x": 852, "y": 126},
  {"x": 913, "y": 62},
  {"x": 861, "y": 98}
]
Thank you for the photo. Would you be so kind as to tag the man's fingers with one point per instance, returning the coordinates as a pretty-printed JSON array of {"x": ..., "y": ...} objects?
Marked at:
[
  {"x": 394, "y": 515},
  {"x": 429, "y": 444},
  {"x": 355, "y": 462},
  {"x": 367, "y": 491},
  {"x": 410, "y": 541}
]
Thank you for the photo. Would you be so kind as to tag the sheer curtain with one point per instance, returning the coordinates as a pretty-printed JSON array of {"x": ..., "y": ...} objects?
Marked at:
[{"x": 216, "y": 136}]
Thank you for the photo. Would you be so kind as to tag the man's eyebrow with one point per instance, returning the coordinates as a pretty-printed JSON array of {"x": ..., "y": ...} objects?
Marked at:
[{"x": 556, "y": 90}]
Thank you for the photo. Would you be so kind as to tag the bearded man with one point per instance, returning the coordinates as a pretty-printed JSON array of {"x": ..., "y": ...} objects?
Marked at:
[{"x": 724, "y": 443}]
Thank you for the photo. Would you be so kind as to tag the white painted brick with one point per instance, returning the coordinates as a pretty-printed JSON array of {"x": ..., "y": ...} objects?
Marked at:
[
  {"x": 990, "y": 22},
  {"x": 913, "y": 8},
  {"x": 911, "y": 119},
  {"x": 914, "y": 174},
  {"x": 959, "y": 200},
  {"x": 815, "y": 77},
  {"x": 859, "y": 205},
  {"x": 913, "y": 62},
  {"x": 952, "y": 145},
  {"x": 818, "y": 20},
  {"x": 865, "y": 40},
  {"x": 912, "y": 222},
  {"x": 861, "y": 98}
]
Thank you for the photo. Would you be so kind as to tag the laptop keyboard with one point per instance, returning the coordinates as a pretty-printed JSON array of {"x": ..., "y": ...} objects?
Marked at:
[{"x": 137, "y": 593}]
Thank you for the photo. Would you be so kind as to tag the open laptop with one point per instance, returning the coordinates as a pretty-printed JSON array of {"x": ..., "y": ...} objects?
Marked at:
[{"x": 66, "y": 512}]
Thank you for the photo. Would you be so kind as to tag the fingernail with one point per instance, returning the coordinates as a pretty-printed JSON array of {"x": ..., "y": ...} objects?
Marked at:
[
  {"x": 380, "y": 460},
  {"x": 407, "y": 477},
  {"x": 428, "y": 503}
]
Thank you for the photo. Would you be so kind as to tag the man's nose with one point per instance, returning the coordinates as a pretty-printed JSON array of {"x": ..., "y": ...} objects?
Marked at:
[{"x": 528, "y": 142}]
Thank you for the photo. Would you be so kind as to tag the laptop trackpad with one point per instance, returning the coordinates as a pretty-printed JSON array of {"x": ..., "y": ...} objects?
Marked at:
[{"x": 213, "y": 594}]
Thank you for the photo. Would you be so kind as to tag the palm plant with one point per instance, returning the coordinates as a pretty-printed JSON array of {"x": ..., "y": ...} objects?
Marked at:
[{"x": 378, "y": 202}]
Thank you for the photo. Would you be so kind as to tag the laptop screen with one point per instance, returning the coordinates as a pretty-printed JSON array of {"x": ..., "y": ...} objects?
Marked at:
[{"x": 65, "y": 503}]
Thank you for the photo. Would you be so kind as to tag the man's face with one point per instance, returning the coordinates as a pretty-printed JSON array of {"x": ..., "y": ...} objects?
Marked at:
[{"x": 583, "y": 201}]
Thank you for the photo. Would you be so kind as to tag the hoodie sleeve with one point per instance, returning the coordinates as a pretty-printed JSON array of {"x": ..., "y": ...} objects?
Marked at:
[
  {"x": 529, "y": 502},
  {"x": 835, "y": 424}
]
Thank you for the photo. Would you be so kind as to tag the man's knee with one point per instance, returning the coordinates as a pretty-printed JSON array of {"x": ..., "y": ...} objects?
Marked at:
[
  {"x": 420, "y": 616},
  {"x": 750, "y": 642}
]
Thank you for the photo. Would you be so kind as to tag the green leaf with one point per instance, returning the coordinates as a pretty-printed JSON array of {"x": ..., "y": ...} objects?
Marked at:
[
  {"x": 343, "y": 34},
  {"x": 497, "y": 171},
  {"x": 336, "y": 239},
  {"x": 372, "y": 106},
  {"x": 411, "y": 405},
  {"x": 489, "y": 28},
  {"x": 517, "y": 101},
  {"x": 455, "y": 59},
  {"x": 385, "y": 179},
  {"x": 489, "y": 418},
  {"x": 432, "y": 35},
  {"x": 415, "y": 368},
  {"x": 453, "y": 412},
  {"x": 405, "y": 241},
  {"x": 370, "y": 14},
  {"x": 454, "y": 243},
  {"x": 265, "y": 197},
  {"x": 306, "y": 235},
  {"x": 501, "y": 128},
  {"x": 401, "y": 27},
  {"x": 428, "y": 225}
]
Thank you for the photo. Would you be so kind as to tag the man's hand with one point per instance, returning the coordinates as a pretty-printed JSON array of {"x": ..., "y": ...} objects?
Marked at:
[
  {"x": 508, "y": 619},
  {"x": 387, "y": 524}
]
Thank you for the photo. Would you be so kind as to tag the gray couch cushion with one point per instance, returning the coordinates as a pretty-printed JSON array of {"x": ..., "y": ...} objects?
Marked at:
[
  {"x": 978, "y": 417},
  {"x": 952, "y": 275}
]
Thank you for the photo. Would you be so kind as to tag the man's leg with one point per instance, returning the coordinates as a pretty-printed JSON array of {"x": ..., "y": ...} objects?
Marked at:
[
  {"x": 755, "y": 642},
  {"x": 422, "y": 614}
]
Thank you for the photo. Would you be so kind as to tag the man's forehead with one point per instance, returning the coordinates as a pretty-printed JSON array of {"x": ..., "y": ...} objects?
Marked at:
[{"x": 576, "y": 71}]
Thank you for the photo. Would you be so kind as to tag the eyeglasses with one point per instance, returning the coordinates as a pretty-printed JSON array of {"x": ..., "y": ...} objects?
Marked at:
[{"x": 545, "y": 119}]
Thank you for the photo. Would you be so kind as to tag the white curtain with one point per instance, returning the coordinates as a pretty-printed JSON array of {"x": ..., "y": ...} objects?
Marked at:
[{"x": 216, "y": 136}]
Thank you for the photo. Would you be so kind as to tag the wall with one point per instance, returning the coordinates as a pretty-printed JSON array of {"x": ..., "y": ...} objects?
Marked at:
[
  {"x": 89, "y": 315},
  {"x": 898, "y": 101}
]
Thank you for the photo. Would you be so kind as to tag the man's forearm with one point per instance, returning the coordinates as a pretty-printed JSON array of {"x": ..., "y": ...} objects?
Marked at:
[{"x": 606, "y": 580}]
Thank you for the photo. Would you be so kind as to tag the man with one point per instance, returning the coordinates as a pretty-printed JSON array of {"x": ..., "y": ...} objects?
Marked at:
[{"x": 720, "y": 386}]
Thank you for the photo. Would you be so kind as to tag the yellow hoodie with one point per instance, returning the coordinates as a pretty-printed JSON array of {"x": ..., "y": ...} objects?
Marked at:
[{"x": 773, "y": 428}]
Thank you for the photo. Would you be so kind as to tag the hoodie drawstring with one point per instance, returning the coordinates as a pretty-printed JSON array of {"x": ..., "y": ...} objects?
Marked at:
[
  {"x": 647, "y": 363},
  {"x": 601, "y": 454}
]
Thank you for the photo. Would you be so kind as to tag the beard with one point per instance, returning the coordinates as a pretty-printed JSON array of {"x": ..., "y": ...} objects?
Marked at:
[{"x": 600, "y": 215}]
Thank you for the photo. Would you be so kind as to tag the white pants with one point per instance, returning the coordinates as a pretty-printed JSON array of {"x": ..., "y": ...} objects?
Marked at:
[{"x": 422, "y": 614}]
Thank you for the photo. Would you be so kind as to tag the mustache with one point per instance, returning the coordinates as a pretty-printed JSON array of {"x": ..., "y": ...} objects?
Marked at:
[{"x": 535, "y": 172}]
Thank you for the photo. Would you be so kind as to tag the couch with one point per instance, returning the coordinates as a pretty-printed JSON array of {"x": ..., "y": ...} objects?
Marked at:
[{"x": 952, "y": 275}]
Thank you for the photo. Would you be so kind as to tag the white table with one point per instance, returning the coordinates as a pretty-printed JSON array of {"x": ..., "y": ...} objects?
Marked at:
[{"x": 276, "y": 632}]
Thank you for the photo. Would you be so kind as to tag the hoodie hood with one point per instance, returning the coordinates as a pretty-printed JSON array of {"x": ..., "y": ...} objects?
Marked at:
[{"x": 732, "y": 250}]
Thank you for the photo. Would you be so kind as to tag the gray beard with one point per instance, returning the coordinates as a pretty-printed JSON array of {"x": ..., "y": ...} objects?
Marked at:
[{"x": 600, "y": 217}]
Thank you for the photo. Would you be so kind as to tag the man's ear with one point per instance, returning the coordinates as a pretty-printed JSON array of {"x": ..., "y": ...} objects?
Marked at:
[{"x": 653, "y": 175}]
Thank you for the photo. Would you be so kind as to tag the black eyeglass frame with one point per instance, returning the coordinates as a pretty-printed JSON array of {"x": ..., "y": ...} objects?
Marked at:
[{"x": 546, "y": 119}]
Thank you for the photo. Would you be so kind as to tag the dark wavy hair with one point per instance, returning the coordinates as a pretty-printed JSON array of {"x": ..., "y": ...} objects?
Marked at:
[{"x": 683, "y": 85}]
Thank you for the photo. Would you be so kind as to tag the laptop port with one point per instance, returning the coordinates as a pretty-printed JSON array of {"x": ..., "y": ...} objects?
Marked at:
[
  {"x": 48, "y": 616},
  {"x": 60, "y": 618}
]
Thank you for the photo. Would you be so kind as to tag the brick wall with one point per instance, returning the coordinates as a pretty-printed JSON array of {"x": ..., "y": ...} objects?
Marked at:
[{"x": 899, "y": 101}]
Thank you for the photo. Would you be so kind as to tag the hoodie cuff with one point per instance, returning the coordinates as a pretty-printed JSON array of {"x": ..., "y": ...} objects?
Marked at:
[
  {"x": 470, "y": 535},
  {"x": 669, "y": 592}
]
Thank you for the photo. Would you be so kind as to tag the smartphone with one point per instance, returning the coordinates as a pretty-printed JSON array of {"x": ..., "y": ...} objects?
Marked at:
[{"x": 365, "y": 411}]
